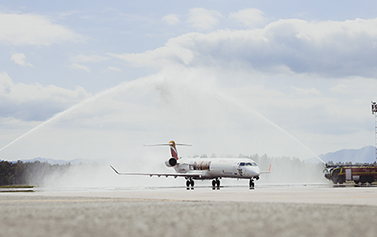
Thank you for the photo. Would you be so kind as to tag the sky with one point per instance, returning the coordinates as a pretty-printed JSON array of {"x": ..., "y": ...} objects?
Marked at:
[{"x": 98, "y": 80}]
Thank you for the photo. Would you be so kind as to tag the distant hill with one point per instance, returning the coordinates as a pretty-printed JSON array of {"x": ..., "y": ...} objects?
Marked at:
[{"x": 362, "y": 155}]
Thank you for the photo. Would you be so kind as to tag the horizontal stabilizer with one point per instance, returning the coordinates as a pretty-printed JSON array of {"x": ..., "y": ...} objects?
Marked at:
[
  {"x": 167, "y": 144},
  {"x": 264, "y": 172}
]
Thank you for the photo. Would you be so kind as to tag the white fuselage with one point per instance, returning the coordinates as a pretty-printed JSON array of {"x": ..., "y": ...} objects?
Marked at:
[{"x": 209, "y": 168}]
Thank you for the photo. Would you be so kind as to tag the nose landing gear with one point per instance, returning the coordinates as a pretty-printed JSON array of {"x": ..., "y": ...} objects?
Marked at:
[
  {"x": 190, "y": 182},
  {"x": 251, "y": 184}
]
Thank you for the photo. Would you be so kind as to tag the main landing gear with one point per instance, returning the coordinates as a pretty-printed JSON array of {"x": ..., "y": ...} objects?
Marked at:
[
  {"x": 216, "y": 184},
  {"x": 190, "y": 182}
]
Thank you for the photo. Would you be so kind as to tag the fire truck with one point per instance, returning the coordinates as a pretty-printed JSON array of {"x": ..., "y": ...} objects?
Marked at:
[{"x": 357, "y": 173}]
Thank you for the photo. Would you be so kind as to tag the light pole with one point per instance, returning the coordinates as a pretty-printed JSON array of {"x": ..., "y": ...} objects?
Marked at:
[{"x": 374, "y": 111}]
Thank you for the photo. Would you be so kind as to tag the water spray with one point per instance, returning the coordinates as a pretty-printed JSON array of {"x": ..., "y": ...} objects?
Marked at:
[
  {"x": 155, "y": 80},
  {"x": 74, "y": 107},
  {"x": 258, "y": 115}
]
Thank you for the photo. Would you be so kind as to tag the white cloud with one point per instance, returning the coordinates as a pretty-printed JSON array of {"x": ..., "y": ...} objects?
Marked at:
[
  {"x": 331, "y": 49},
  {"x": 115, "y": 69},
  {"x": 340, "y": 88},
  {"x": 19, "y": 58},
  {"x": 79, "y": 67},
  {"x": 202, "y": 19},
  {"x": 159, "y": 57},
  {"x": 67, "y": 14},
  {"x": 6, "y": 83},
  {"x": 364, "y": 88},
  {"x": 249, "y": 17},
  {"x": 34, "y": 101},
  {"x": 302, "y": 91},
  {"x": 171, "y": 19},
  {"x": 32, "y": 29},
  {"x": 88, "y": 58}
]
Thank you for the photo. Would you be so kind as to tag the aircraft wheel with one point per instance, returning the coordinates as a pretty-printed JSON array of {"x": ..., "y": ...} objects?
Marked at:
[
  {"x": 218, "y": 184},
  {"x": 188, "y": 184},
  {"x": 192, "y": 183}
]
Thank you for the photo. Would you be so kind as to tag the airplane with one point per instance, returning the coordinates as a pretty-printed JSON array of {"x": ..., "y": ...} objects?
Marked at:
[{"x": 206, "y": 168}]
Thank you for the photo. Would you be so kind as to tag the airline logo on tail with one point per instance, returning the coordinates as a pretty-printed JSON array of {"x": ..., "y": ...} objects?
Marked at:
[{"x": 173, "y": 150}]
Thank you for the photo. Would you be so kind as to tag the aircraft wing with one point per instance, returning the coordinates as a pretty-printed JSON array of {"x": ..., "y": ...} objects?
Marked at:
[
  {"x": 175, "y": 175},
  {"x": 264, "y": 172}
]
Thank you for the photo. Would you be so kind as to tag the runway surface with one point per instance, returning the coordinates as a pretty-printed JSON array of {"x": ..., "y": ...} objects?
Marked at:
[{"x": 268, "y": 211}]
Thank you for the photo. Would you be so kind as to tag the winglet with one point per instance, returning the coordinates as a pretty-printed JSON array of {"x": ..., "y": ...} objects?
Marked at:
[
  {"x": 269, "y": 169},
  {"x": 114, "y": 169}
]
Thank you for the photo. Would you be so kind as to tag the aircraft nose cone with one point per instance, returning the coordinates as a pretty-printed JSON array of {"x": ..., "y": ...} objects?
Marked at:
[
  {"x": 254, "y": 171},
  {"x": 257, "y": 172}
]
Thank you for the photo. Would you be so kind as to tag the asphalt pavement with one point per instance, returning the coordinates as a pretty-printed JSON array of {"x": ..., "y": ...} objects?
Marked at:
[{"x": 177, "y": 212}]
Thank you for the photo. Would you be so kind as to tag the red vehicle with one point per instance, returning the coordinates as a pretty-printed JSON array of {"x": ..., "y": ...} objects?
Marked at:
[{"x": 357, "y": 173}]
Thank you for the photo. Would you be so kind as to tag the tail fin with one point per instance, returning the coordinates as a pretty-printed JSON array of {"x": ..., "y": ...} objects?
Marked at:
[{"x": 173, "y": 150}]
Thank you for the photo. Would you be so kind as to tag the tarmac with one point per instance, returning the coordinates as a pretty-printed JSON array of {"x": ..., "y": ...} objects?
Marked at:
[{"x": 237, "y": 211}]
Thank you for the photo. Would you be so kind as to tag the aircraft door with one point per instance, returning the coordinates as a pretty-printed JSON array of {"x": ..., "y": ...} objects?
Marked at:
[{"x": 240, "y": 169}]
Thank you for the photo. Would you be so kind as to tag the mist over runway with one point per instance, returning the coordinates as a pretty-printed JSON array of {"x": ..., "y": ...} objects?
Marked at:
[
  {"x": 269, "y": 193},
  {"x": 295, "y": 210}
]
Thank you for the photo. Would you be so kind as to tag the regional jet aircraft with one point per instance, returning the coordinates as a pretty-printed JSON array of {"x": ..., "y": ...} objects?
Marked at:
[{"x": 207, "y": 168}]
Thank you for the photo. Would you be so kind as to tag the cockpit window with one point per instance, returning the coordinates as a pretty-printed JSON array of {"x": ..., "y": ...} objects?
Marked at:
[{"x": 248, "y": 164}]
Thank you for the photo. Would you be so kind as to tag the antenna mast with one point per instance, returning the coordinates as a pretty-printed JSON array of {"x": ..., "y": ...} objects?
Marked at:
[{"x": 374, "y": 111}]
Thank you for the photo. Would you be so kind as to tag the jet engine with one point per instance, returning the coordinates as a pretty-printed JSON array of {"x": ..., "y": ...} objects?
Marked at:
[{"x": 171, "y": 162}]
